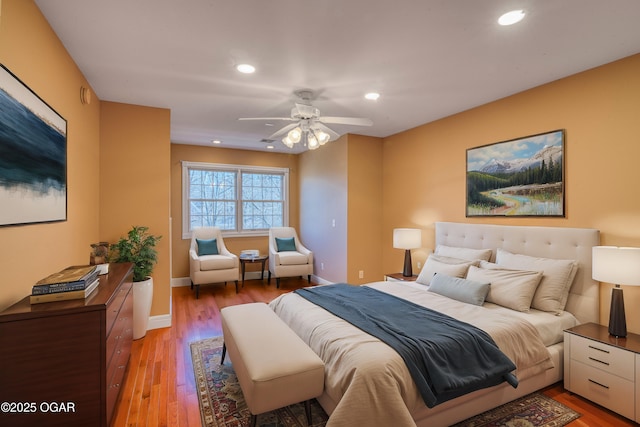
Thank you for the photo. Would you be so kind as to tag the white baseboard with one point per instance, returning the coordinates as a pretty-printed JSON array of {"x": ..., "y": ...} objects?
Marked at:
[
  {"x": 320, "y": 281},
  {"x": 157, "y": 322},
  {"x": 162, "y": 320},
  {"x": 176, "y": 282}
]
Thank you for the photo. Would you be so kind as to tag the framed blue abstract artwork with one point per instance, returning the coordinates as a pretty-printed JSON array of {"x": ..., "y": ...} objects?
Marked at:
[{"x": 33, "y": 156}]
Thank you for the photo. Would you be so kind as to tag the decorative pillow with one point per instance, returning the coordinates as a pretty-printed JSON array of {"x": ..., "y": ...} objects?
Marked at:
[
  {"x": 207, "y": 247},
  {"x": 513, "y": 289},
  {"x": 441, "y": 264},
  {"x": 463, "y": 290},
  {"x": 284, "y": 245},
  {"x": 557, "y": 278},
  {"x": 464, "y": 253}
]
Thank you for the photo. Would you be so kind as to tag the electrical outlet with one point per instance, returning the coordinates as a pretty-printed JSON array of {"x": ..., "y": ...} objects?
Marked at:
[
  {"x": 361, "y": 274},
  {"x": 419, "y": 265},
  {"x": 322, "y": 266}
]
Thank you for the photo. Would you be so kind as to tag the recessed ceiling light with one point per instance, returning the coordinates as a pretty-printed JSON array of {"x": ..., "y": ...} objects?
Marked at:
[
  {"x": 216, "y": 141},
  {"x": 512, "y": 17},
  {"x": 372, "y": 96},
  {"x": 246, "y": 68}
]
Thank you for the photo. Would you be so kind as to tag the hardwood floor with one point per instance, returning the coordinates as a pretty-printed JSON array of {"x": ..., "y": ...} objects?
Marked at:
[{"x": 159, "y": 389}]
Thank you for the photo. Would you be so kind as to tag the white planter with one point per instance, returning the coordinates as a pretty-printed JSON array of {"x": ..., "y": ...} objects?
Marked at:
[{"x": 142, "y": 297}]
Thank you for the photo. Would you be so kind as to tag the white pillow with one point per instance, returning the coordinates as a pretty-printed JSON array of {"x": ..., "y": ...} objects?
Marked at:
[
  {"x": 557, "y": 277},
  {"x": 446, "y": 265},
  {"x": 464, "y": 290},
  {"x": 513, "y": 289},
  {"x": 464, "y": 253}
]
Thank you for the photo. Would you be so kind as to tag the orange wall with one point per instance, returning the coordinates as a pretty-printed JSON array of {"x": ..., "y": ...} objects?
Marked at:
[
  {"x": 30, "y": 49},
  {"x": 424, "y": 168},
  {"x": 134, "y": 183},
  {"x": 194, "y": 153},
  {"x": 364, "y": 223}
]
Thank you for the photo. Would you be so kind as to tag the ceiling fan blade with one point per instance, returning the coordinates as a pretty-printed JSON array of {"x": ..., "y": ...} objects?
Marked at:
[
  {"x": 355, "y": 121},
  {"x": 287, "y": 119},
  {"x": 334, "y": 135},
  {"x": 284, "y": 130}
]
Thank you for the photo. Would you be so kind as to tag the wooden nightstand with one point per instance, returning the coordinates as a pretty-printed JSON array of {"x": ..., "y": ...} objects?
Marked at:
[
  {"x": 398, "y": 277},
  {"x": 603, "y": 368}
]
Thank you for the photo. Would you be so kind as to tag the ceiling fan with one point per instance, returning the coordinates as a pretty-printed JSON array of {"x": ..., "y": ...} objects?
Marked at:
[{"x": 308, "y": 126}]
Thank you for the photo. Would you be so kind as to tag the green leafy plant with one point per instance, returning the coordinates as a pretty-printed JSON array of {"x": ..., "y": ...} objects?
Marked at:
[{"x": 139, "y": 248}]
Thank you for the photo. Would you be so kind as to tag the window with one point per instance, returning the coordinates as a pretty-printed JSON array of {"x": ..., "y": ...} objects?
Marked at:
[{"x": 241, "y": 200}]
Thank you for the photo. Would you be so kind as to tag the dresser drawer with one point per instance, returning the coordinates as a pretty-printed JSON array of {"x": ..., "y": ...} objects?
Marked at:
[
  {"x": 605, "y": 357},
  {"x": 123, "y": 320},
  {"x": 118, "y": 351},
  {"x": 114, "y": 306},
  {"x": 603, "y": 388}
]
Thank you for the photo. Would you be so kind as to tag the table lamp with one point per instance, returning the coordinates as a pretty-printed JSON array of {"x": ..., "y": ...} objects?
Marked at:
[
  {"x": 407, "y": 239},
  {"x": 619, "y": 266}
]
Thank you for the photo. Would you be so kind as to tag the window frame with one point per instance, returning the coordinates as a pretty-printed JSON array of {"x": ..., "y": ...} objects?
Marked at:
[{"x": 238, "y": 170}]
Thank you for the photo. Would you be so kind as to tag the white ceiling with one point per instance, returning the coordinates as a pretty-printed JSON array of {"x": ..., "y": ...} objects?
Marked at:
[{"x": 428, "y": 58}]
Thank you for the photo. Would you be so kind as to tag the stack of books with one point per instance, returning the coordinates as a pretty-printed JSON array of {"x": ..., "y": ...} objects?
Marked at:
[{"x": 75, "y": 282}]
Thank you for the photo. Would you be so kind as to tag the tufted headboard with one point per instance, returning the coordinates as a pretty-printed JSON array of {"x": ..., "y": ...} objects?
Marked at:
[{"x": 545, "y": 242}]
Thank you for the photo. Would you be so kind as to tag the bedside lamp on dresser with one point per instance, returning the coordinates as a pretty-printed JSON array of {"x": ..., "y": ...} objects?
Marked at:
[
  {"x": 619, "y": 266},
  {"x": 407, "y": 239}
]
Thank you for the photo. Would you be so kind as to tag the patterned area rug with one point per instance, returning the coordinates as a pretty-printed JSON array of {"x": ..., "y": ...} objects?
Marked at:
[
  {"x": 533, "y": 410},
  {"x": 221, "y": 400},
  {"x": 222, "y": 403}
]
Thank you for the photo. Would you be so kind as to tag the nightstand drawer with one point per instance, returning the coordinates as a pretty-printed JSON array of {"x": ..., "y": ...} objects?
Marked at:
[
  {"x": 604, "y": 357},
  {"x": 605, "y": 389}
]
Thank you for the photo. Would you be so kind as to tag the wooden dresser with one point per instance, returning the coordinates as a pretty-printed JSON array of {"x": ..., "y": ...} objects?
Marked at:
[{"x": 62, "y": 363}]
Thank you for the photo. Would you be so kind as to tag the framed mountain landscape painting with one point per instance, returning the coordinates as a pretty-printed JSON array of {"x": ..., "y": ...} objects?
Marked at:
[
  {"x": 33, "y": 156},
  {"x": 519, "y": 177}
]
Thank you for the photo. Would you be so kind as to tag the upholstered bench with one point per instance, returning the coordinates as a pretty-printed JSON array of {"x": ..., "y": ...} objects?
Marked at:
[{"x": 275, "y": 368}]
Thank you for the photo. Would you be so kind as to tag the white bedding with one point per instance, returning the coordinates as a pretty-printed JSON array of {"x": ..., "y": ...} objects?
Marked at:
[
  {"x": 368, "y": 381},
  {"x": 550, "y": 326}
]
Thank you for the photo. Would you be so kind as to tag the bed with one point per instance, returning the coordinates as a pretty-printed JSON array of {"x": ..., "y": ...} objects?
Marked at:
[{"x": 367, "y": 382}]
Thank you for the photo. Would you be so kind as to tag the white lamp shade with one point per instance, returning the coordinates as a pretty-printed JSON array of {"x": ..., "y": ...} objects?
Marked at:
[
  {"x": 616, "y": 265},
  {"x": 407, "y": 238},
  {"x": 295, "y": 135}
]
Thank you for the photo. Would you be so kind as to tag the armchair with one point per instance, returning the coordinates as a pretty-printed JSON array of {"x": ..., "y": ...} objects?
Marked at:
[
  {"x": 287, "y": 256},
  {"x": 209, "y": 259}
]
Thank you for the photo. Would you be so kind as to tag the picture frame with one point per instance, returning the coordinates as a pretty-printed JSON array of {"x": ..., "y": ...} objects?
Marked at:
[
  {"x": 522, "y": 177},
  {"x": 33, "y": 156}
]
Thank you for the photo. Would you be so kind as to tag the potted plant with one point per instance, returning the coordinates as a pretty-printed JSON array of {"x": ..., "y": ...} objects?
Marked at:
[{"x": 139, "y": 248}]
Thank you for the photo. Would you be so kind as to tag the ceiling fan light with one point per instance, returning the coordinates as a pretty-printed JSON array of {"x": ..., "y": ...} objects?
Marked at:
[
  {"x": 287, "y": 141},
  {"x": 322, "y": 137},
  {"x": 312, "y": 142},
  {"x": 294, "y": 135}
]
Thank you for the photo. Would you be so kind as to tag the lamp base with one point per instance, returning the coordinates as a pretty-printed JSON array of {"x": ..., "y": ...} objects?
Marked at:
[
  {"x": 617, "y": 319},
  {"x": 408, "y": 271}
]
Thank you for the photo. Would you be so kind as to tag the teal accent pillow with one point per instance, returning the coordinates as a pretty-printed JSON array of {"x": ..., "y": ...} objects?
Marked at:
[
  {"x": 207, "y": 247},
  {"x": 285, "y": 244},
  {"x": 463, "y": 290}
]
